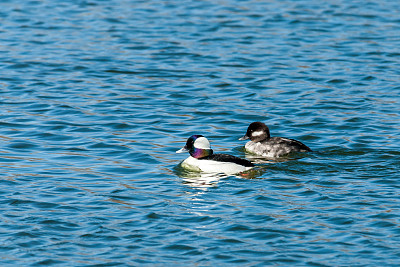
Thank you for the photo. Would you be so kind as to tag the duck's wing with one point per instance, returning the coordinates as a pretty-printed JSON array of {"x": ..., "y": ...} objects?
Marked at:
[
  {"x": 229, "y": 158},
  {"x": 294, "y": 144}
]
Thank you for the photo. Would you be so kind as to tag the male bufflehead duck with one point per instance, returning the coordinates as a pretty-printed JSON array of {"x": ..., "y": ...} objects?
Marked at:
[
  {"x": 202, "y": 158},
  {"x": 264, "y": 145}
]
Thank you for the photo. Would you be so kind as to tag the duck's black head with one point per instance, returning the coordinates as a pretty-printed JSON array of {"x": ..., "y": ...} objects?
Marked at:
[
  {"x": 198, "y": 147},
  {"x": 257, "y": 132}
]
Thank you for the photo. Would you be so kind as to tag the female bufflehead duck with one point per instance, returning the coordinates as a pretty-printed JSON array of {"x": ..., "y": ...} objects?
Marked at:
[
  {"x": 264, "y": 145},
  {"x": 202, "y": 158}
]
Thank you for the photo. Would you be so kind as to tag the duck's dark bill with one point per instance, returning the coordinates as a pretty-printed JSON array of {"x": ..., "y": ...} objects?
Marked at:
[
  {"x": 245, "y": 137},
  {"x": 182, "y": 150}
]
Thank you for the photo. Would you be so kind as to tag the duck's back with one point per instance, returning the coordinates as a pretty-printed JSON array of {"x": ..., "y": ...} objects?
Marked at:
[
  {"x": 276, "y": 147},
  {"x": 229, "y": 159}
]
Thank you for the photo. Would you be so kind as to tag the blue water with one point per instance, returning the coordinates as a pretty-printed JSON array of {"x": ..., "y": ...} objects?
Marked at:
[{"x": 96, "y": 97}]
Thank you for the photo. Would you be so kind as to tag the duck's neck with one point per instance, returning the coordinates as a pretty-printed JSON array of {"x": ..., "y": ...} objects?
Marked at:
[{"x": 199, "y": 153}]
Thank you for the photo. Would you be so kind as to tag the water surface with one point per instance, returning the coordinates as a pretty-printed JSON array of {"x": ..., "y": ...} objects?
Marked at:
[{"x": 96, "y": 97}]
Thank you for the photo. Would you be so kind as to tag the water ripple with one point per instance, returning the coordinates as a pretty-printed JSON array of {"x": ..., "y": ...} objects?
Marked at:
[{"x": 97, "y": 96}]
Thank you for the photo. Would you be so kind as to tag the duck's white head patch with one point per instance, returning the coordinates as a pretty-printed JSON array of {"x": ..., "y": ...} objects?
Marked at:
[{"x": 202, "y": 143}]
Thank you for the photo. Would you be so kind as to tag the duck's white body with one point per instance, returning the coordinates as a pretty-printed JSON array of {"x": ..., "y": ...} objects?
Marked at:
[
  {"x": 212, "y": 166},
  {"x": 202, "y": 159}
]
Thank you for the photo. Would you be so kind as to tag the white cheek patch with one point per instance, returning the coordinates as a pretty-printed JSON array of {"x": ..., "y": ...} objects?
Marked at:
[
  {"x": 202, "y": 143},
  {"x": 258, "y": 133}
]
